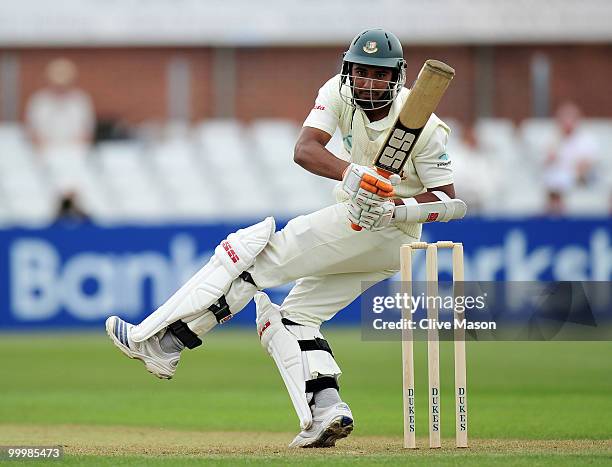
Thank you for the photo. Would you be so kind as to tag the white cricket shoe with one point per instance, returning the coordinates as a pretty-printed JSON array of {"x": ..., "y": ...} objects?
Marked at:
[
  {"x": 328, "y": 426},
  {"x": 159, "y": 363}
]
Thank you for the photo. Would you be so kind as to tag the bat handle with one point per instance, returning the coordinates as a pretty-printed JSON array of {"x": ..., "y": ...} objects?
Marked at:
[{"x": 385, "y": 174}]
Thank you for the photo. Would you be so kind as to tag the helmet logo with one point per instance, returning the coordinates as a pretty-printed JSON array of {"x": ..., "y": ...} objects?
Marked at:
[{"x": 370, "y": 47}]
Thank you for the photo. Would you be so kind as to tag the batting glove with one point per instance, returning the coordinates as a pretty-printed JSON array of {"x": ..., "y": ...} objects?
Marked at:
[
  {"x": 371, "y": 217},
  {"x": 365, "y": 187}
]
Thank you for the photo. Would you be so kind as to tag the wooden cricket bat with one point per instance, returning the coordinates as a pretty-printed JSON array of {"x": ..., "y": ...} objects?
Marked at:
[{"x": 425, "y": 94}]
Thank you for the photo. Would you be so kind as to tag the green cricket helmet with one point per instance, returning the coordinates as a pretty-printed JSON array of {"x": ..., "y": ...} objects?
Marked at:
[{"x": 374, "y": 47}]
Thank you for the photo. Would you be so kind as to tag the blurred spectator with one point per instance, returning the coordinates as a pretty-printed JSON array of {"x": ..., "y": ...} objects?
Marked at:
[
  {"x": 570, "y": 162},
  {"x": 60, "y": 114},
  {"x": 60, "y": 120},
  {"x": 475, "y": 177},
  {"x": 69, "y": 210}
]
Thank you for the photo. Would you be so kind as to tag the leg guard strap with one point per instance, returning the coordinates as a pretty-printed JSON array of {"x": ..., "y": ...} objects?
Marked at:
[
  {"x": 324, "y": 382},
  {"x": 288, "y": 322},
  {"x": 315, "y": 344},
  {"x": 246, "y": 276},
  {"x": 221, "y": 310},
  {"x": 309, "y": 345},
  {"x": 185, "y": 335}
]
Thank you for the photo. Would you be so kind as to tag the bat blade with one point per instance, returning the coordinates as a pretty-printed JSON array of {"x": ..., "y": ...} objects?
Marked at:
[{"x": 425, "y": 94}]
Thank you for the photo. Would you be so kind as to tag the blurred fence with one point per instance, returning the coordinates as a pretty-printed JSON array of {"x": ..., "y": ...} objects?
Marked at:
[{"x": 62, "y": 277}]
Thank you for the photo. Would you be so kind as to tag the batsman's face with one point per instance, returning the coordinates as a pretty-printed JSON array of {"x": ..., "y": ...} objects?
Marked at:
[{"x": 369, "y": 82}]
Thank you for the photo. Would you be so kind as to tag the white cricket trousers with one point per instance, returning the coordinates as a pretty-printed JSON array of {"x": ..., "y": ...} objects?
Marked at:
[{"x": 329, "y": 261}]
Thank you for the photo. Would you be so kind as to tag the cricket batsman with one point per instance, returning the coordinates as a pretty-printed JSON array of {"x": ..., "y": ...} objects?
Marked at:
[{"x": 328, "y": 260}]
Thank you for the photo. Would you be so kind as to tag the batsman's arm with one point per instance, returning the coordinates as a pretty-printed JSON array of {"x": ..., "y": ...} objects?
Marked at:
[
  {"x": 438, "y": 204},
  {"x": 310, "y": 154},
  {"x": 428, "y": 196},
  {"x": 363, "y": 185}
]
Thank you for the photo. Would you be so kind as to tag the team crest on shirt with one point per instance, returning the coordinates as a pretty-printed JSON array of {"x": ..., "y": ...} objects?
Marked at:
[
  {"x": 445, "y": 160},
  {"x": 370, "y": 47}
]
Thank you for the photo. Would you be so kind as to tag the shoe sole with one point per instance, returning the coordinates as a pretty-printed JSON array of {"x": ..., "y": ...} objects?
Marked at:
[
  {"x": 339, "y": 428},
  {"x": 126, "y": 351}
]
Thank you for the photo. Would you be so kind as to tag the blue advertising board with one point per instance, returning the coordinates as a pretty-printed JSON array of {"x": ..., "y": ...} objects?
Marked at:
[{"x": 65, "y": 276}]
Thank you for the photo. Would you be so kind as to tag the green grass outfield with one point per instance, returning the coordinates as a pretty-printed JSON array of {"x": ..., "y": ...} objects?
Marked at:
[{"x": 530, "y": 403}]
